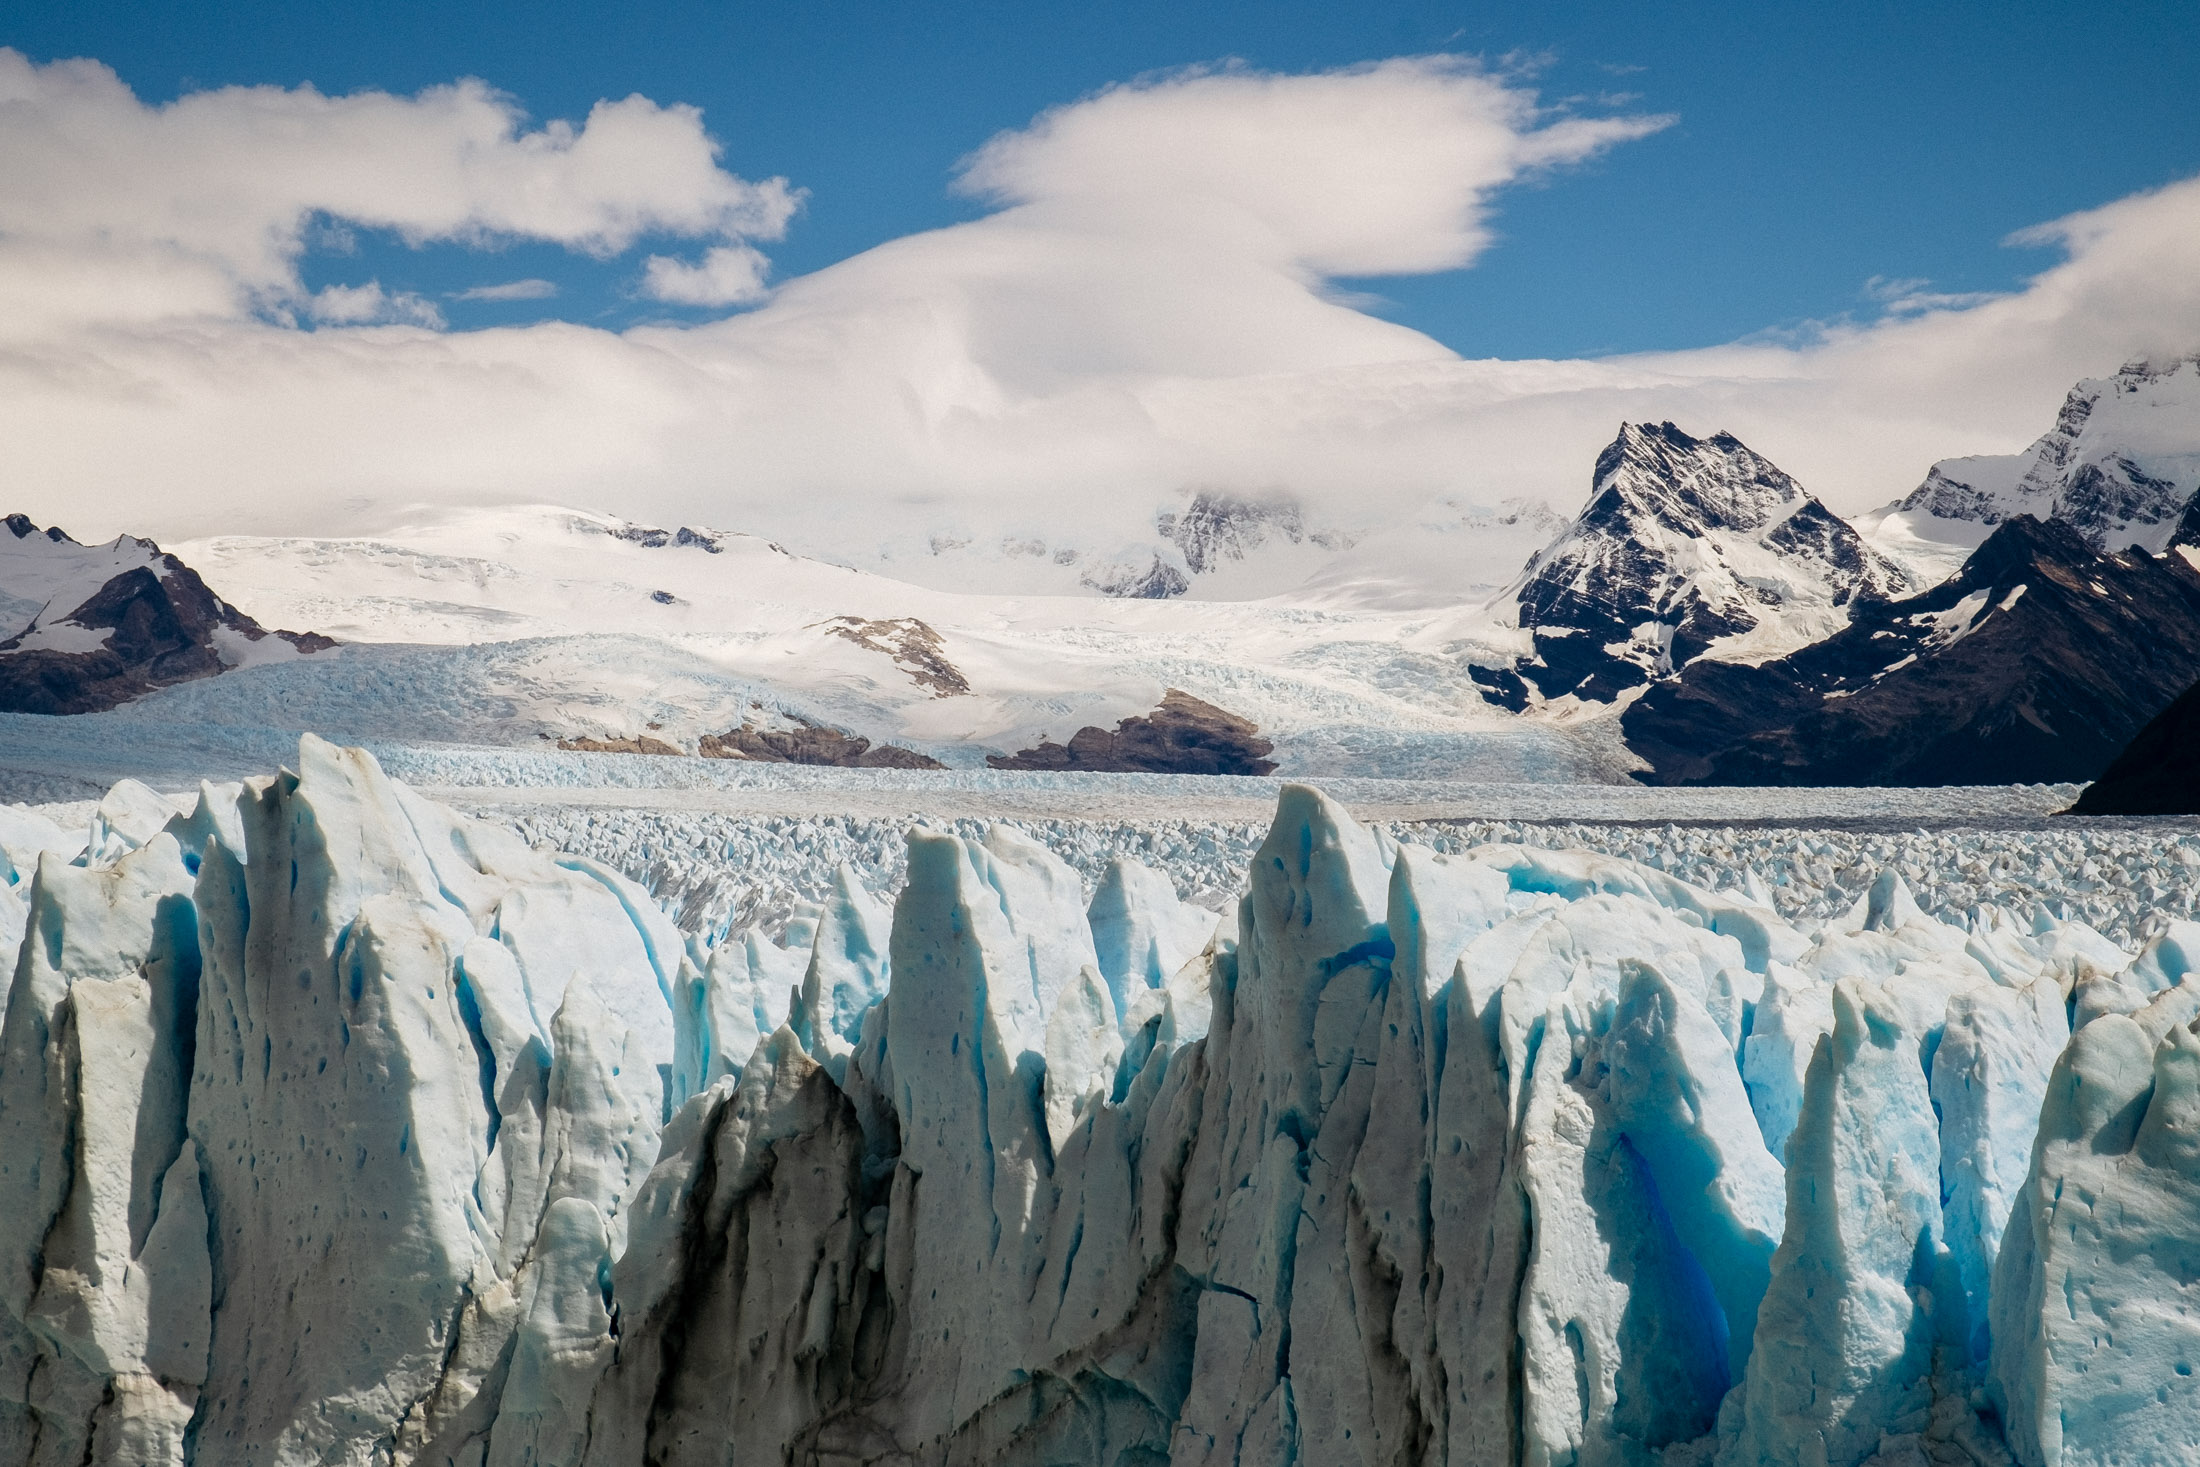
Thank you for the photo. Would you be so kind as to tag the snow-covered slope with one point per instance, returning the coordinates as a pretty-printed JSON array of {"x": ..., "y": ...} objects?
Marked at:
[
  {"x": 2121, "y": 466},
  {"x": 319, "y": 1149},
  {"x": 547, "y": 623},
  {"x": 1688, "y": 548}
]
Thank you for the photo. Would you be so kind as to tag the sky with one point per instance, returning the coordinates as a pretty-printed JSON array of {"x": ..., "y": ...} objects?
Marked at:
[{"x": 984, "y": 264}]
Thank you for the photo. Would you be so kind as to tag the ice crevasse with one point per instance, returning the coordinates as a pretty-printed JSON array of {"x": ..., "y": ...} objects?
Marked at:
[{"x": 336, "y": 1128}]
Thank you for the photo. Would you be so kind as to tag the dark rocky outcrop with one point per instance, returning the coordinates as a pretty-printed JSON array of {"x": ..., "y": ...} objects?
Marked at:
[
  {"x": 1182, "y": 736},
  {"x": 102, "y": 639},
  {"x": 805, "y": 742},
  {"x": 2036, "y": 663},
  {"x": 2158, "y": 773}
]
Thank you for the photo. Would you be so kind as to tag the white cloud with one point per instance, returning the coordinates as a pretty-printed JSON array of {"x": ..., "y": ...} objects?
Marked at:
[
  {"x": 217, "y": 191},
  {"x": 510, "y": 290},
  {"x": 1148, "y": 308},
  {"x": 728, "y": 275},
  {"x": 369, "y": 304},
  {"x": 1377, "y": 170}
]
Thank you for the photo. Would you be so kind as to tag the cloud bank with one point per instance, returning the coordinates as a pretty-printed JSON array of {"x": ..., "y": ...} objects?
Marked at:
[{"x": 1146, "y": 309}]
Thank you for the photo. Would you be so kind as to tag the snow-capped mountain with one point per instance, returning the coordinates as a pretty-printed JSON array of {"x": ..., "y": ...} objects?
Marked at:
[
  {"x": 339, "y": 1127},
  {"x": 2036, "y": 663},
  {"x": 2121, "y": 466},
  {"x": 98, "y": 625},
  {"x": 1688, "y": 548}
]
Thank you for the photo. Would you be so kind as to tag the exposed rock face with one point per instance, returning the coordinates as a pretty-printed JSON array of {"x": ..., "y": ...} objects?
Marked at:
[
  {"x": 1158, "y": 582},
  {"x": 335, "y": 1128},
  {"x": 619, "y": 744},
  {"x": 1182, "y": 736},
  {"x": 102, "y": 624},
  {"x": 2121, "y": 466},
  {"x": 912, "y": 645},
  {"x": 2036, "y": 663},
  {"x": 1687, "y": 545},
  {"x": 2158, "y": 773},
  {"x": 651, "y": 538},
  {"x": 1216, "y": 527},
  {"x": 804, "y": 742}
]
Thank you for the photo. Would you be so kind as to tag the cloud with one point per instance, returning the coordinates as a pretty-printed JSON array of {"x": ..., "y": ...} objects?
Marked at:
[
  {"x": 1385, "y": 169},
  {"x": 729, "y": 275},
  {"x": 1907, "y": 297},
  {"x": 211, "y": 198},
  {"x": 510, "y": 290},
  {"x": 1147, "y": 307},
  {"x": 369, "y": 304}
]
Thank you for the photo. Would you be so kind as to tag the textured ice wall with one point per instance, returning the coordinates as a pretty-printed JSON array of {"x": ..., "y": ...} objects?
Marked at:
[{"x": 334, "y": 1128}]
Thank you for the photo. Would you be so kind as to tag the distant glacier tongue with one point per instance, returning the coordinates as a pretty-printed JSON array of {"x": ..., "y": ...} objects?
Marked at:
[{"x": 338, "y": 1128}]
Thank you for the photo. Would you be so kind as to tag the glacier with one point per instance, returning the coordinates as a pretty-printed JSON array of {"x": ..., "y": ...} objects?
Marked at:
[{"x": 337, "y": 1126}]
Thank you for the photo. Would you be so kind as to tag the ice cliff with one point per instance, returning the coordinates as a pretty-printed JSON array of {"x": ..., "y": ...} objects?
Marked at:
[{"x": 335, "y": 1128}]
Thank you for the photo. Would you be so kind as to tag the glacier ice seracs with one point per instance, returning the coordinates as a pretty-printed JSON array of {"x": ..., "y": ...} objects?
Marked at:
[{"x": 338, "y": 1128}]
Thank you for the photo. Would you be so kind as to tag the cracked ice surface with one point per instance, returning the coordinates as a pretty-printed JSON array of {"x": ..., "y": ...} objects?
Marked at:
[
  {"x": 717, "y": 872},
  {"x": 337, "y": 1127}
]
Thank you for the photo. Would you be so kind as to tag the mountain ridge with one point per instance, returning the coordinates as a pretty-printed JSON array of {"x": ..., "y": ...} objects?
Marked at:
[{"x": 2035, "y": 663}]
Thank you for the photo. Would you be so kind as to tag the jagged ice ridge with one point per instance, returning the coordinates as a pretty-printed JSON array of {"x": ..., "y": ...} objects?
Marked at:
[{"x": 340, "y": 1128}]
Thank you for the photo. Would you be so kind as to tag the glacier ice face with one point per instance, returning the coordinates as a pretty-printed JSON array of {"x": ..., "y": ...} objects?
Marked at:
[{"x": 335, "y": 1127}]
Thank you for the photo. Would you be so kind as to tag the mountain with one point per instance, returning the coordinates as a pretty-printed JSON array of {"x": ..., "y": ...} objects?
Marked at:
[
  {"x": 1688, "y": 548},
  {"x": 2121, "y": 466},
  {"x": 2035, "y": 663},
  {"x": 100, "y": 625},
  {"x": 2158, "y": 773},
  {"x": 341, "y": 1128}
]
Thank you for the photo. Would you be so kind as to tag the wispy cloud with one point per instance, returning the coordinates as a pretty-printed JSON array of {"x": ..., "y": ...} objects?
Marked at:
[
  {"x": 1909, "y": 297},
  {"x": 510, "y": 290}
]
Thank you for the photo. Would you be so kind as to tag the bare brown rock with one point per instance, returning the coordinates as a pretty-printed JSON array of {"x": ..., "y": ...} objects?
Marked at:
[
  {"x": 810, "y": 743},
  {"x": 911, "y": 645},
  {"x": 1182, "y": 736},
  {"x": 639, "y": 744}
]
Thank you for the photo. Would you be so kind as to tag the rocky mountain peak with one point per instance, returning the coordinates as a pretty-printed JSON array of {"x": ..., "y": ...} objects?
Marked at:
[
  {"x": 2121, "y": 465},
  {"x": 98, "y": 625},
  {"x": 1714, "y": 483},
  {"x": 1686, "y": 544}
]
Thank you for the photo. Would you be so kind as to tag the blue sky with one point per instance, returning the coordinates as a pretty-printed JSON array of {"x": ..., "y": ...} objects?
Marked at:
[{"x": 1816, "y": 147}]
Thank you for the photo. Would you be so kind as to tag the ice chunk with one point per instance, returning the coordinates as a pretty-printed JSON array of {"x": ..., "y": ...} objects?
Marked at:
[
  {"x": 1140, "y": 931},
  {"x": 2096, "y": 1316},
  {"x": 1844, "y": 1342},
  {"x": 848, "y": 969},
  {"x": 1082, "y": 1048},
  {"x": 1680, "y": 1102},
  {"x": 1989, "y": 1078}
]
